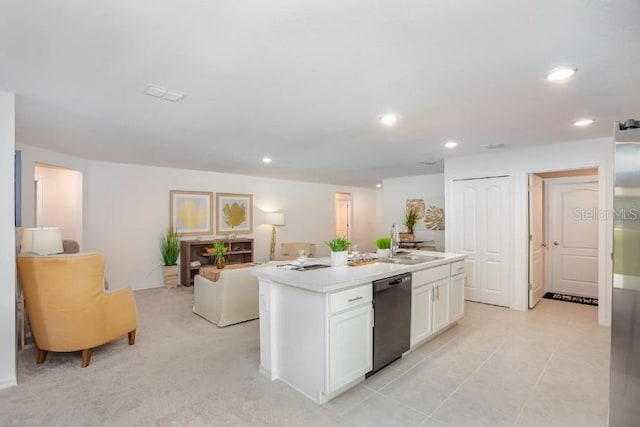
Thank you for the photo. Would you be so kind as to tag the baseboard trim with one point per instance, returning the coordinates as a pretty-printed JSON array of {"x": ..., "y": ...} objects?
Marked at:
[{"x": 9, "y": 382}]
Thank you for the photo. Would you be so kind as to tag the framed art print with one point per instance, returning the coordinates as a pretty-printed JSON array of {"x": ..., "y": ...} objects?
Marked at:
[
  {"x": 234, "y": 213},
  {"x": 191, "y": 212}
]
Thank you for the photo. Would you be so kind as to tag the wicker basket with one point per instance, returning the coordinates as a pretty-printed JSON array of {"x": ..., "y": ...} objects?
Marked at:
[{"x": 210, "y": 273}]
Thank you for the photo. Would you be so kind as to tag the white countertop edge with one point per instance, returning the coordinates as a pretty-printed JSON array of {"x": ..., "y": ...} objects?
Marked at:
[{"x": 333, "y": 279}]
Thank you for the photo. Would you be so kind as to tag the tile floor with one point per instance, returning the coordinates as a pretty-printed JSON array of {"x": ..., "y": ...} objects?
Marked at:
[{"x": 498, "y": 367}]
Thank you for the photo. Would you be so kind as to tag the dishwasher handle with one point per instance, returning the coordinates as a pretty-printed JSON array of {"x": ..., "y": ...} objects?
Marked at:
[{"x": 395, "y": 282}]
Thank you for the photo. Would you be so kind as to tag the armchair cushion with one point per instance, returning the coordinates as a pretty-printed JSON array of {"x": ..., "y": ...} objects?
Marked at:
[{"x": 232, "y": 299}]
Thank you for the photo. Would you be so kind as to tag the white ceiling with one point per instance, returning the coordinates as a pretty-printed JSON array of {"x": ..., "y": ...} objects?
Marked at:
[{"x": 304, "y": 82}]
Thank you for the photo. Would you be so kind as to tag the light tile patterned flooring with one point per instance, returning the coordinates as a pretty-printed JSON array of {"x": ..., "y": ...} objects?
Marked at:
[{"x": 498, "y": 367}]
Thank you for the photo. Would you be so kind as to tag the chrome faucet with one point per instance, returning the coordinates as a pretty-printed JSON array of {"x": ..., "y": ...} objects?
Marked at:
[{"x": 395, "y": 240}]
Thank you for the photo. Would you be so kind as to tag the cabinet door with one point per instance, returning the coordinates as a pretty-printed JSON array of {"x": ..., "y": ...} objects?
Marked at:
[
  {"x": 457, "y": 296},
  {"x": 441, "y": 309},
  {"x": 421, "y": 313},
  {"x": 350, "y": 346}
]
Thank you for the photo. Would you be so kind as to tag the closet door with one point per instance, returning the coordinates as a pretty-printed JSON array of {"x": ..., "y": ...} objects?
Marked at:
[{"x": 481, "y": 222}]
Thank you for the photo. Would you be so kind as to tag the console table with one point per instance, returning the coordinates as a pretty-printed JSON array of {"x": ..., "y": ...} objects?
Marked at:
[{"x": 239, "y": 251}]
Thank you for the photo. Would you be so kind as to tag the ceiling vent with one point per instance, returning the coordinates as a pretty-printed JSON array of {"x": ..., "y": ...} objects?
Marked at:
[
  {"x": 494, "y": 146},
  {"x": 162, "y": 93},
  {"x": 429, "y": 162}
]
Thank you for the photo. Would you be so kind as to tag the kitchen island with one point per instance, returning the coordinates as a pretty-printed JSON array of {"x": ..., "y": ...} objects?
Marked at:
[{"x": 316, "y": 326}]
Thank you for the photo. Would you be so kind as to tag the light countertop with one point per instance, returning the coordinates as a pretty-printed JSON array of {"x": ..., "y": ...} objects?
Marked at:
[{"x": 332, "y": 279}]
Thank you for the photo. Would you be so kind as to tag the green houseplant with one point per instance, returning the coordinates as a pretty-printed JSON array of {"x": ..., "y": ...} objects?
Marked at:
[
  {"x": 221, "y": 251},
  {"x": 338, "y": 244},
  {"x": 411, "y": 217},
  {"x": 170, "y": 249},
  {"x": 383, "y": 244},
  {"x": 338, "y": 247}
]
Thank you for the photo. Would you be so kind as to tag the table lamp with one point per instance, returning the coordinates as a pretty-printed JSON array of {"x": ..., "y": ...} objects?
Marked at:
[
  {"x": 274, "y": 219},
  {"x": 42, "y": 241}
]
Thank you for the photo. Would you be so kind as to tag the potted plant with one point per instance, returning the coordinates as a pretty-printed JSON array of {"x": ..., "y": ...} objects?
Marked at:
[
  {"x": 221, "y": 251},
  {"x": 170, "y": 248},
  {"x": 383, "y": 244},
  {"x": 338, "y": 247},
  {"x": 411, "y": 217}
]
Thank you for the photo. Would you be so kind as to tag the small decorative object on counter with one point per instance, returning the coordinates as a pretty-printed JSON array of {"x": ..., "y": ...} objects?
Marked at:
[
  {"x": 338, "y": 247},
  {"x": 383, "y": 244}
]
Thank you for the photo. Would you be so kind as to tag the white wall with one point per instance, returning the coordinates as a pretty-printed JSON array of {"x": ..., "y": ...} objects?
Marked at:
[
  {"x": 396, "y": 191},
  {"x": 60, "y": 203},
  {"x": 7, "y": 243},
  {"x": 519, "y": 163},
  {"x": 127, "y": 208},
  {"x": 30, "y": 157}
]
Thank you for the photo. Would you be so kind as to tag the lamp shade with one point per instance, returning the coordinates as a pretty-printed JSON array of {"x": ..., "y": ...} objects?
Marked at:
[
  {"x": 274, "y": 218},
  {"x": 42, "y": 241}
]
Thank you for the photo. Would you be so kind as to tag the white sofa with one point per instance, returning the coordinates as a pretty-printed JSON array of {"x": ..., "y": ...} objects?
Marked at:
[{"x": 232, "y": 299}]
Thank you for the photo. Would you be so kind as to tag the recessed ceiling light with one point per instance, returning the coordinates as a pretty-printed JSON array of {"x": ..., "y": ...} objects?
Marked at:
[
  {"x": 450, "y": 144},
  {"x": 266, "y": 160},
  {"x": 494, "y": 146},
  {"x": 561, "y": 73},
  {"x": 583, "y": 122},
  {"x": 378, "y": 185},
  {"x": 389, "y": 119}
]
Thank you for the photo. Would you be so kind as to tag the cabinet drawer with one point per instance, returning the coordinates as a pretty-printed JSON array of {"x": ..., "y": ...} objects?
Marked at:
[
  {"x": 457, "y": 267},
  {"x": 350, "y": 298},
  {"x": 429, "y": 275}
]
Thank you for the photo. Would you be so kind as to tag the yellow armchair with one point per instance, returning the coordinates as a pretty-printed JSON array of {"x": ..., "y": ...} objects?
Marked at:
[{"x": 67, "y": 306}]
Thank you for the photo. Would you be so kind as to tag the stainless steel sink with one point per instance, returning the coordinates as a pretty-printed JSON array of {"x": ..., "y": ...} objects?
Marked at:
[{"x": 408, "y": 259}]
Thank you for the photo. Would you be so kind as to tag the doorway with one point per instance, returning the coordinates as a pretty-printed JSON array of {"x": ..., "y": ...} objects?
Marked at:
[
  {"x": 563, "y": 233},
  {"x": 343, "y": 213},
  {"x": 58, "y": 200}
]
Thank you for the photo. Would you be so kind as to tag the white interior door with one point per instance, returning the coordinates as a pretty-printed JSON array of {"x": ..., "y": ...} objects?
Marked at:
[
  {"x": 481, "y": 222},
  {"x": 343, "y": 215},
  {"x": 537, "y": 244},
  {"x": 573, "y": 237}
]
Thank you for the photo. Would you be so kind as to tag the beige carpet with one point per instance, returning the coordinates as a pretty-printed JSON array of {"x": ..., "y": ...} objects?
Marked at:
[{"x": 182, "y": 370}]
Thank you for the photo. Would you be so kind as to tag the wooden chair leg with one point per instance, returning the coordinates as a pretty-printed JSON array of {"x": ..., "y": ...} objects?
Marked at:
[
  {"x": 86, "y": 357},
  {"x": 42, "y": 356},
  {"x": 132, "y": 337}
]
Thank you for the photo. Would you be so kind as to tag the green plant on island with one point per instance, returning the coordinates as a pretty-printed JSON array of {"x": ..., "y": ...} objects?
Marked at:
[
  {"x": 411, "y": 217},
  {"x": 170, "y": 246},
  {"x": 383, "y": 242},
  {"x": 338, "y": 244}
]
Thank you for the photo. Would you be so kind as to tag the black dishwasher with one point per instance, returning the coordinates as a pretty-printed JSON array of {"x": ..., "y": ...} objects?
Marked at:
[{"x": 392, "y": 320}]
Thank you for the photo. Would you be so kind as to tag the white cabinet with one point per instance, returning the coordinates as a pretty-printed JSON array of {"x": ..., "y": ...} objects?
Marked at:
[
  {"x": 457, "y": 296},
  {"x": 441, "y": 309},
  {"x": 350, "y": 344},
  {"x": 426, "y": 309},
  {"x": 457, "y": 283},
  {"x": 437, "y": 300},
  {"x": 421, "y": 313}
]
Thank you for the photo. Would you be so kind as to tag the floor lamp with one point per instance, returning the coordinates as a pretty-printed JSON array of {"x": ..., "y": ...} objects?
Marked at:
[{"x": 274, "y": 219}]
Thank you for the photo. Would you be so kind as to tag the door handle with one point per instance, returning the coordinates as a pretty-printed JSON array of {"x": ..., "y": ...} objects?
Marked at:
[
  {"x": 556, "y": 243},
  {"x": 544, "y": 245}
]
